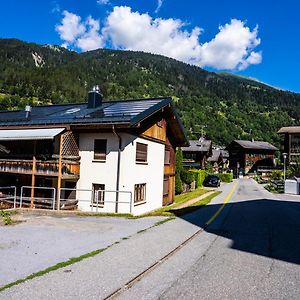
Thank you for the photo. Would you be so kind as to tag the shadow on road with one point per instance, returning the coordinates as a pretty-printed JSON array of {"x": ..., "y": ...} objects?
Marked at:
[{"x": 264, "y": 227}]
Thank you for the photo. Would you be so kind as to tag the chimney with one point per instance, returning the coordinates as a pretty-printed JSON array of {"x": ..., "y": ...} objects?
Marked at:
[
  {"x": 28, "y": 112},
  {"x": 95, "y": 97}
]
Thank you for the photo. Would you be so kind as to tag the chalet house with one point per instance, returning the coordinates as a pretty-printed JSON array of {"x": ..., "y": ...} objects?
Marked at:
[
  {"x": 116, "y": 156},
  {"x": 195, "y": 155},
  {"x": 246, "y": 156},
  {"x": 291, "y": 144},
  {"x": 219, "y": 160}
]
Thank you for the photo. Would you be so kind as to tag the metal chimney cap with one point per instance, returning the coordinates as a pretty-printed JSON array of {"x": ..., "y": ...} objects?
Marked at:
[
  {"x": 28, "y": 108},
  {"x": 96, "y": 88}
]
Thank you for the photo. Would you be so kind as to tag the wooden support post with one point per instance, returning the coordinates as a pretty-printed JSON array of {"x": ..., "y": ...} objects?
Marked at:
[
  {"x": 33, "y": 175},
  {"x": 59, "y": 178}
]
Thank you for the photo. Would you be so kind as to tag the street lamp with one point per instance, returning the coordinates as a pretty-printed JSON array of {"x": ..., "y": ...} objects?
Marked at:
[{"x": 284, "y": 164}]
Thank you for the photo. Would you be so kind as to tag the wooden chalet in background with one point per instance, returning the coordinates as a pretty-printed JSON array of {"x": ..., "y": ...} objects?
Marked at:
[
  {"x": 291, "y": 144},
  {"x": 196, "y": 154},
  {"x": 219, "y": 160},
  {"x": 80, "y": 149},
  {"x": 246, "y": 156}
]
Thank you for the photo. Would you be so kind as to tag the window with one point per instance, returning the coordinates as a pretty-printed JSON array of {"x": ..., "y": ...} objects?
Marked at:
[
  {"x": 139, "y": 193},
  {"x": 188, "y": 155},
  {"x": 98, "y": 194},
  {"x": 166, "y": 186},
  {"x": 141, "y": 153},
  {"x": 167, "y": 155},
  {"x": 100, "y": 149}
]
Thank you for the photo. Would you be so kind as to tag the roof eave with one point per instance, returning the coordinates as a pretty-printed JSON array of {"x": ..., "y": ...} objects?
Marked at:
[{"x": 167, "y": 102}]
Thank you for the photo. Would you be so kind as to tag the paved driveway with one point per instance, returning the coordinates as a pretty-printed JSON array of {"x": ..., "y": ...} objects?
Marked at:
[{"x": 42, "y": 241}]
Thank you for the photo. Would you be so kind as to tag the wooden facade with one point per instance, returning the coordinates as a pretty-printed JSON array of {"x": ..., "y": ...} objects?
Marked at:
[
  {"x": 291, "y": 142},
  {"x": 196, "y": 155},
  {"x": 246, "y": 158},
  {"x": 159, "y": 131}
]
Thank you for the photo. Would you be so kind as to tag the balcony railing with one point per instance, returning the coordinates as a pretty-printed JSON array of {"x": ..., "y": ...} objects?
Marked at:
[{"x": 43, "y": 168}]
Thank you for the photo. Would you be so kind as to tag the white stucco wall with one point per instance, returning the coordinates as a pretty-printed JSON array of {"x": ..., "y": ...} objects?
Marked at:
[{"x": 131, "y": 173}]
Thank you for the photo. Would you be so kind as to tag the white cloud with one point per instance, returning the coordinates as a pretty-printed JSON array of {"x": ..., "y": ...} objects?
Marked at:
[
  {"x": 91, "y": 39},
  {"x": 232, "y": 48},
  {"x": 83, "y": 35},
  {"x": 70, "y": 27},
  {"x": 102, "y": 2},
  {"x": 159, "y": 4},
  {"x": 135, "y": 31}
]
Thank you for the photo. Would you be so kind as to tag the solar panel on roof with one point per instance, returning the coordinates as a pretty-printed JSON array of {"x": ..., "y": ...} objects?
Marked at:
[{"x": 108, "y": 112}]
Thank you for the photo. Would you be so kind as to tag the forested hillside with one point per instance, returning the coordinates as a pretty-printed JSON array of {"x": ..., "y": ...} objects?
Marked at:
[{"x": 227, "y": 107}]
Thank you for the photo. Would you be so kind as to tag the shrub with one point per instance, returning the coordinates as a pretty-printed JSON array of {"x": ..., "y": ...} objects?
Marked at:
[
  {"x": 199, "y": 176},
  {"x": 187, "y": 176},
  {"x": 178, "y": 184},
  {"x": 228, "y": 177},
  {"x": 277, "y": 175},
  {"x": 6, "y": 217},
  {"x": 209, "y": 168},
  {"x": 179, "y": 168}
]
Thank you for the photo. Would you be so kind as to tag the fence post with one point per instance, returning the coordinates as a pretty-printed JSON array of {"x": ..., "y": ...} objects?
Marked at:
[
  {"x": 54, "y": 194},
  {"x": 130, "y": 203},
  {"x": 97, "y": 200},
  {"x": 15, "y": 196},
  {"x": 21, "y": 197}
]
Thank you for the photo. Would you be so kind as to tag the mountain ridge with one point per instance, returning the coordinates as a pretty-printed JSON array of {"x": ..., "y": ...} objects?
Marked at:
[{"x": 227, "y": 106}]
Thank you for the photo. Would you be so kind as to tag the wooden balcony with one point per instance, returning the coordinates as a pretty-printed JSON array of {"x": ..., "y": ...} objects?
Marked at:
[{"x": 70, "y": 169}]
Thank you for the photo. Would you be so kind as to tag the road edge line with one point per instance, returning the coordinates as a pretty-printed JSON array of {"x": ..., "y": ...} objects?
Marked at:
[{"x": 223, "y": 205}]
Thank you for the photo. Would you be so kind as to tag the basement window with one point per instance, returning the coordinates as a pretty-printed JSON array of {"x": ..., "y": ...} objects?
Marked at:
[
  {"x": 98, "y": 194},
  {"x": 139, "y": 193}
]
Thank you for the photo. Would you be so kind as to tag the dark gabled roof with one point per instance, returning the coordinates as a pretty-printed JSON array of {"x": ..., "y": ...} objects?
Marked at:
[
  {"x": 215, "y": 156},
  {"x": 290, "y": 129},
  {"x": 128, "y": 113},
  {"x": 200, "y": 145},
  {"x": 115, "y": 112},
  {"x": 225, "y": 153},
  {"x": 255, "y": 145}
]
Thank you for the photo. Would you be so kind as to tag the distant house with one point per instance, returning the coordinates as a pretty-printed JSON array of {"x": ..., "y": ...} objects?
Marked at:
[
  {"x": 247, "y": 156},
  {"x": 291, "y": 141},
  {"x": 114, "y": 156},
  {"x": 219, "y": 159},
  {"x": 195, "y": 155}
]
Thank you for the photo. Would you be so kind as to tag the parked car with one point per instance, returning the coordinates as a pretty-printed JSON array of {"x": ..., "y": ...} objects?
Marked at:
[{"x": 212, "y": 181}]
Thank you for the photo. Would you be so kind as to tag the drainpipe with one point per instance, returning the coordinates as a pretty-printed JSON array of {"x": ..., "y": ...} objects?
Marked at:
[{"x": 118, "y": 167}]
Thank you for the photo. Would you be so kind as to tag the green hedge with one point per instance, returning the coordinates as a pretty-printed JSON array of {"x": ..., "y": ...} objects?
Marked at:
[
  {"x": 227, "y": 177},
  {"x": 199, "y": 176},
  {"x": 187, "y": 176}
]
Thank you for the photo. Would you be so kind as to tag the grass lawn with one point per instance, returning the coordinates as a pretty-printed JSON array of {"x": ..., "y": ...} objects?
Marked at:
[
  {"x": 189, "y": 195},
  {"x": 171, "y": 211}
]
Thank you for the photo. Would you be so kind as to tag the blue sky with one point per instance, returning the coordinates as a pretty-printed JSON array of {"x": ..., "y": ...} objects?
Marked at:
[{"x": 258, "y": 39}]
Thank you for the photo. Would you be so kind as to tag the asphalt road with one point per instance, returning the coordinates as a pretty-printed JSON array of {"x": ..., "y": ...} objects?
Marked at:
[{"x": 250, "y": 251}]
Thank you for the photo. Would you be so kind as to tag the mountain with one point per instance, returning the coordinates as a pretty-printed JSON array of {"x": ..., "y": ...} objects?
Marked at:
[{"x": 225, "y": 106}]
